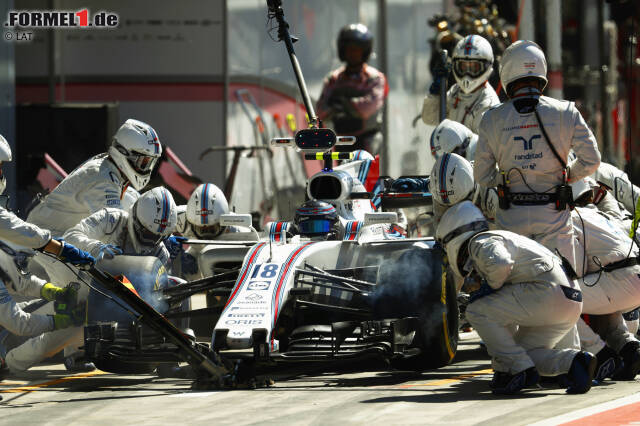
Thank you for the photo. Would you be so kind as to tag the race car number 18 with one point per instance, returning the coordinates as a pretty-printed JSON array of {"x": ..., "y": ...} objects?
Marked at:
[{"x": 269, "y": 270}]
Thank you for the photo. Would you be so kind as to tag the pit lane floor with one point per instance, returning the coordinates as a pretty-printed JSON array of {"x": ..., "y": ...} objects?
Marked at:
[{"x": 457, "y": 394}]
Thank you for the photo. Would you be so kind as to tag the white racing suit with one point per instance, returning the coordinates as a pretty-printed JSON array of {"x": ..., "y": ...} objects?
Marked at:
[
  {"x": 16, "y": 231},
  {"x": 533, "y": 294},
  {"x": 464, "y": 108},
  {"x": 516, "y": 144},
  {"x": 607, "y": 294},
  {"x": 95, "y": 184},
  {"x": 12, "y": 317},
  {"x": 621, "y": 187},
  {"x": 107, "y": 226}
]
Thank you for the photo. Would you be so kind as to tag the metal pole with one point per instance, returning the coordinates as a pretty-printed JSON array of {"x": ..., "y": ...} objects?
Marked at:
[
  {"x": 283, "y": 34},
  {"x": 553, "y": 11},
  {"x": 604, "y": 101},
  {"x": 384, "y": 65},
  {"x": 225, "y": 84},
  {"x": 444, "y": 56},
  {"x": 527, "y": 23}
]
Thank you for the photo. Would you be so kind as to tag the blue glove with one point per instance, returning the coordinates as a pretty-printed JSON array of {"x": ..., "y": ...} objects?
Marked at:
[
  {"x": 410, "y": 185},
  {"x": 189, "y": 264},
  {"x": 109, "y": 251},
  {"x": 74, "y": 255},
  {"x": 174, "y": 245}
]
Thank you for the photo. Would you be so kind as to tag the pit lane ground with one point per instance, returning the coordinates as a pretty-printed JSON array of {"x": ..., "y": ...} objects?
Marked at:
[{"x": 456, "y": 394}]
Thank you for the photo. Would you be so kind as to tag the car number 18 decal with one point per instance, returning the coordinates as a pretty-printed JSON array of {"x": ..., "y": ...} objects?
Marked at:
[{"x": 263, "y": 275}]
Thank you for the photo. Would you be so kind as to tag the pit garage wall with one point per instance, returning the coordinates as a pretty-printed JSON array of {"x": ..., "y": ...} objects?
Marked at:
[
  {"x": 165, "y": 65},
  {"x": 316, "y": 24}
]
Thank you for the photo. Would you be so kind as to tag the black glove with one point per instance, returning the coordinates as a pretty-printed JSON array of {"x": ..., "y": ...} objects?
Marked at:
[
  {"x": 440, "y": 75},
  {"x": 189, "y": 264}
]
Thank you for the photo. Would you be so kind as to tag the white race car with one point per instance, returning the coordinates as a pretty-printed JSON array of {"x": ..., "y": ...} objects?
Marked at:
[{"x": 358, "y": 288}]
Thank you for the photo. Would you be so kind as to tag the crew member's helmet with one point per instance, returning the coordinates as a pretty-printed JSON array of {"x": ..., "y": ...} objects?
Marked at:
[
  {"x": 472, "y": 62},
  {"x": 204, "y": 208},
  {"x": 316, "y": 219},
  {"x": 451, "y": 136},
  {"x": 582, "y": 191},
  {"x": 152, "y": 218},
  {"x": 357, "y": 34},
  {"x": 522, "y": 59},
  {"x": 135, "y": 149},
  {"x": 5, "y": 156},
  {"x": 456, "y": 227},
  {"x": 451, "y": 179}
]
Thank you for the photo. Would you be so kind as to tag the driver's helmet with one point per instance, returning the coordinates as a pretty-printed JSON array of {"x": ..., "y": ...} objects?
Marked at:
[
  {"x": 204, "y": 209},
  {"x": 316, "y": 219}
]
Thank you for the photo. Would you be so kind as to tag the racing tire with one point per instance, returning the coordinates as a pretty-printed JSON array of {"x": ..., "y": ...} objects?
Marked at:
[{"x": 415, "y": 285}]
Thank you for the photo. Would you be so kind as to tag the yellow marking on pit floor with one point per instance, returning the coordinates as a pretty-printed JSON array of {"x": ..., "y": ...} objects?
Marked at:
[
  {"x": 449, "y": 381},
  {"x": 37, "y": 386},
  {"x": 12, "y": 383}
]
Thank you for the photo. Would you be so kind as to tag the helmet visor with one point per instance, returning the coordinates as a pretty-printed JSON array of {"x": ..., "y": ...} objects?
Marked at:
[
  {"x": 141, "y": 163},
  {"x": 474, "y": 68},
  {"x": 146, "y": 237},
  {"x": 315, "y": 226},
  {"x": 207, "y": 231}
]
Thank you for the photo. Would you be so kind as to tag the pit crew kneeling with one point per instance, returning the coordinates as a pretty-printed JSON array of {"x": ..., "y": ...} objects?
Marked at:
[
  {"x": 515, "y": 281},
  {"x": 608, "y": 261},
  {"x": 105, "y": 234}
]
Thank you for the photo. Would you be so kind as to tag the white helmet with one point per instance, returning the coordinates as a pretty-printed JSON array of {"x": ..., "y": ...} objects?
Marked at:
[
  {"x": 472, "y": 62},
  {"x": 135, "y": 150},
  {"x": 5, "y": 156},
  {"x": 204, "y": 208},
  {"x": 451, "y": 136},
  {"x": 153, "y": 217},
  {"x": 451, "y": 179},
  {"x": 457, "y": 225},
  {"x": 581, "y": 187},
  {"x": 522, "y": 59}
]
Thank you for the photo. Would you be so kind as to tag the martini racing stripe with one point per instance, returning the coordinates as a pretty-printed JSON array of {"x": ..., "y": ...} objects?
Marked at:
[
  {"x": 364, "y": 171},
  {"x": 276, "y": 229},
  {"x": 285, "y": 271},
  {"x": 253, "y": 255},
  {"x": 352, "y": 229}
]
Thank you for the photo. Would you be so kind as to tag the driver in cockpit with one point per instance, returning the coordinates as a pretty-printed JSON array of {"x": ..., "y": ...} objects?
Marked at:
[{"x": 318, "y": 220}]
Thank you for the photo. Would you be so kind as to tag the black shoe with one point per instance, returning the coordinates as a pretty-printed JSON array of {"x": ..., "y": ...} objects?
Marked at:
[
  {"x": 581, "y": 373},
  {"x": 609, "y": 364},
  {"x": 78, "y": 365},
  {"x": 630, "y": 354},
  {"x": 510, "y": 384}
]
